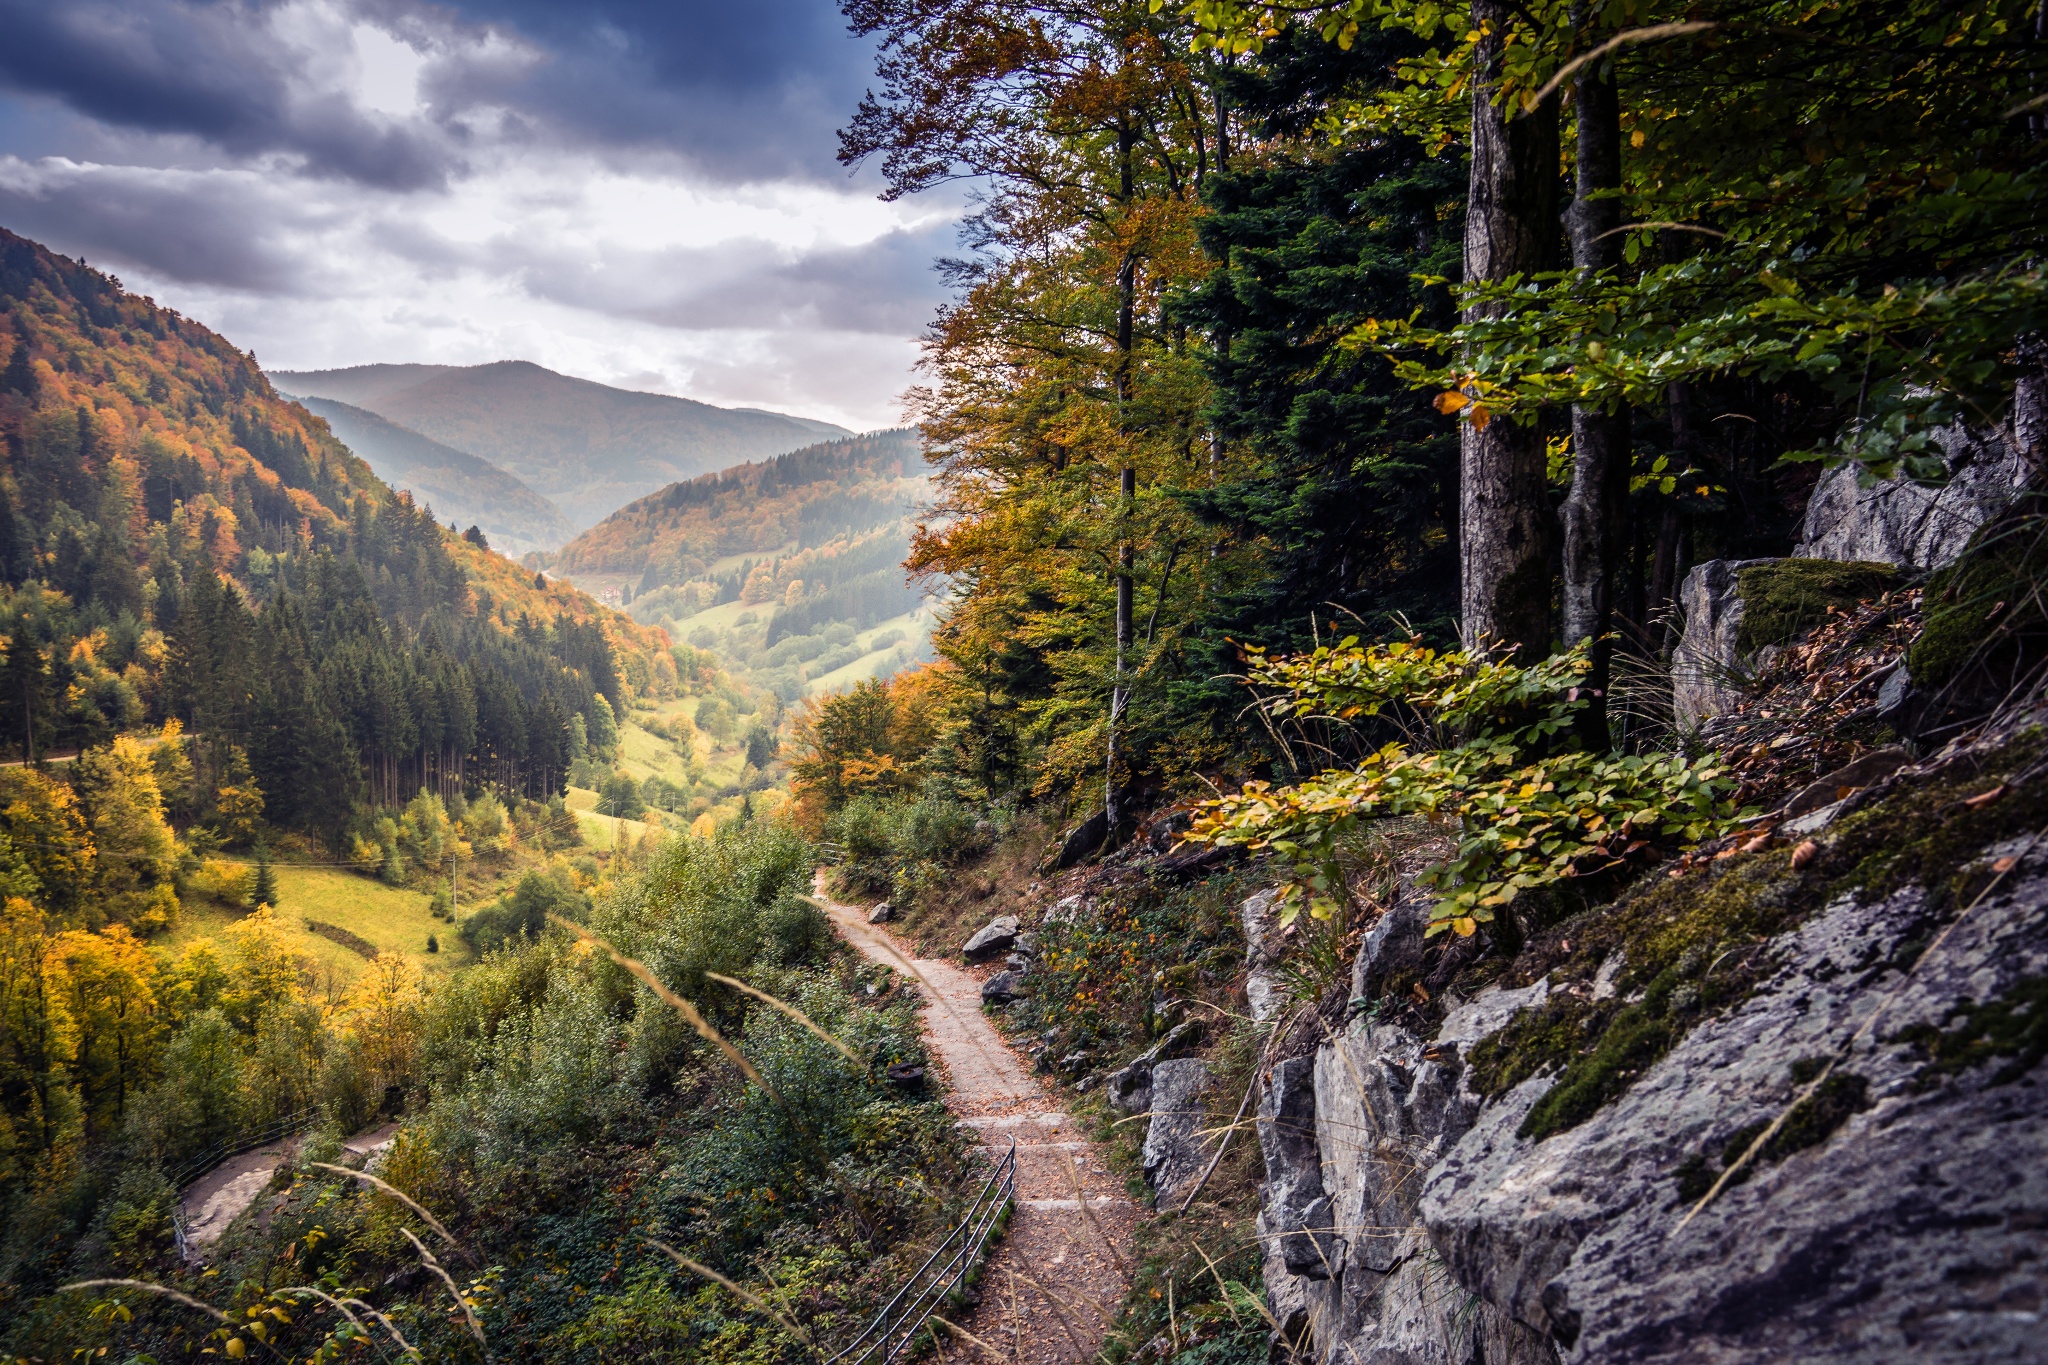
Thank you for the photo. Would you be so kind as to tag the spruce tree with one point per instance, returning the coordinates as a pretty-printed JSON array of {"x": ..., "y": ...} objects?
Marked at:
[{"x": 265, "y": 890}]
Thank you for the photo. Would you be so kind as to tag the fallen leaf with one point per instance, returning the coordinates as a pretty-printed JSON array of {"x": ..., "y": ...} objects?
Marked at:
[
  {"x": 1758, "y": 843},
  {"x": 2004, "y": 865},
  {"x": 1804, "y": 854},
  {"x": 1986, "y": 798}
]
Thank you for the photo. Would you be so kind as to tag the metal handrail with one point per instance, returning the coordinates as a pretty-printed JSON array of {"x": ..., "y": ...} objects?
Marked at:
[
  {"x": 221, "y": 1151},
  {"x": 244, "y": 1142},
  {"x": 891, "y": 1331}
]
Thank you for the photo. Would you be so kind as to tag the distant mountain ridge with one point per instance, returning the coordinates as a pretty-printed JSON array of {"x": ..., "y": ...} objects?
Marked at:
[
  {"x": 587, "y": 447},
  {"x": 791, "y": 567},
  {"x": 803, "y": 498},
  {"x": 455, "y": 483}
]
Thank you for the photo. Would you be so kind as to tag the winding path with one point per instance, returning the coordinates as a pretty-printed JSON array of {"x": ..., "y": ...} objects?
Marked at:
[
  {"x": 213, "y": 1201},
  {"x": 1053, "y": 1283}
]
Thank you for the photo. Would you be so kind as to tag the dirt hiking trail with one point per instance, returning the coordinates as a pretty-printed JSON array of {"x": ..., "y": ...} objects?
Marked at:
[
  {"x": 1055, "y": 1279},
  {"x": 217, "y": 1198}
]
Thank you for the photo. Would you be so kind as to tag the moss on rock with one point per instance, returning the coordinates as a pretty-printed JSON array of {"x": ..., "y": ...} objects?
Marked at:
[
  {"x": 1990, "y": 595},
  {"x": 1698, "y": 945},
  {"x": 1784, "y": 598}
]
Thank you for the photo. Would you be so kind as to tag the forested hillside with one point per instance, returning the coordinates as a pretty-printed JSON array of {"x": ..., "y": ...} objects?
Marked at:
[
  {"x": 454, "y": 483},
  {"x": 179, "y": 542},
  {"x": 790, "y": 568},
  {"x": 587, "y": 447}
]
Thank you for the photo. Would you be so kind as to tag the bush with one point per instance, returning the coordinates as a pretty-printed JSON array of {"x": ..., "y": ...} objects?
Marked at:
[
  {"x": 524, "y": 913},
  {"x": 795, "y": 931}
]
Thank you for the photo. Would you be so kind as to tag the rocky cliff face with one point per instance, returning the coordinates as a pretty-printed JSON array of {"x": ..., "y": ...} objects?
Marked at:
[{"x": 1509, "y": 1179}]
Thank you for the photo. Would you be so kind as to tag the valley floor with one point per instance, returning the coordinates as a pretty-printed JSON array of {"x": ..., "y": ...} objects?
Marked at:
[{"x": 1052, "y": 1285}]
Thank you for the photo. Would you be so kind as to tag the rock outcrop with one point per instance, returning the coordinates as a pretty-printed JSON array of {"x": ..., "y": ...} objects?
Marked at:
[
  {"x": 1176, "y": 1152},
  {"x": 1912, "y": 525},
  {"x": 1443, "y": 1213},
  {"x": 1707, "y": 668}
]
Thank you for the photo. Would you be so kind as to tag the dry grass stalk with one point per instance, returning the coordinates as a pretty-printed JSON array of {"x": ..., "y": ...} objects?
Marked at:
[
  {"x": 746, "y": 1296},
  {"x": 786, "y": 1008},
  {"x": 476, "y": 1329},
  {"x": 968, "y": 1337},
  {"x": 341, "y": 1306},
  {"x": 1229, "y": 1132},
  {"x": 681, "y": 1006},
  {"x": 146, "y": 1287},
  {"x": 400, "y": 1195}
]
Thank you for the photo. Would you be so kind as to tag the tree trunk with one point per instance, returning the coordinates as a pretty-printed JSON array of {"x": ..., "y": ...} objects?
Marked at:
[
  {"x": 1506, "y": 525},
  {"x": 1126, "y": 335},
  {"x": 1595, "y": 508}
]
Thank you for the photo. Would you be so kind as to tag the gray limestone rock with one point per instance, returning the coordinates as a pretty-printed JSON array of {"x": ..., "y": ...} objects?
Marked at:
[
  {"x": 1911, "y": 1233},
  {"x": 1002, "y": 988},
  {"x": 1707, "y": 668},
  {"x": 1073, "y": 909},
  {"x": 1175, "y": 1150},
  {"x": 1263, "y": 989},
  {"x": 1296, "y": 1212},
  {"x": 991, "y": 941},
  {"x": 1129, "y": 1089},
  {"x": 1912, "y": 525},
  {"x": 1386, "y": 1108},
  {"x": 882, "y": 913}
]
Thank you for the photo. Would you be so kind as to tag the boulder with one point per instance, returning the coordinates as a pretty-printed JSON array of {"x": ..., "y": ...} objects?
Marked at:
[
  {"x": 1707, "y": 669},
  {"x": 1002, "y": 988},
  {"x": 1082, "y": 840},
  {"x": 882, "y": 913},
  {"x": 1128, "y": 1089},
  {"x": 1912, "y": 525},
  {"x": 1175, "y": 1150},
  {"x": 993, "y": 940}
]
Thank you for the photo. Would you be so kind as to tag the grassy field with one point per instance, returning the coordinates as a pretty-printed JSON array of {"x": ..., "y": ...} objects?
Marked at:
[
  {"x": 387, "y": 916},
  {"x": 913, "y": 626}
]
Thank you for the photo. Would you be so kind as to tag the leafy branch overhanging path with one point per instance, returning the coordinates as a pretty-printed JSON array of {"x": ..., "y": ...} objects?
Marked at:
[{"x": 1053, "y": 1283}]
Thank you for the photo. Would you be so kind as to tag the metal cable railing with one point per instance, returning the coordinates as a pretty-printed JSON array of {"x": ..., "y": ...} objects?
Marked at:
[
  {"x": 230, "y": 1147},
  {"x": 894, "y": 1329}
]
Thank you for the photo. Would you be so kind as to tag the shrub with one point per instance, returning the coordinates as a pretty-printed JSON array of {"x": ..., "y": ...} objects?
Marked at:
[
  {"x": 794, "y": 931},
  {"x": 524, "y": 913}
]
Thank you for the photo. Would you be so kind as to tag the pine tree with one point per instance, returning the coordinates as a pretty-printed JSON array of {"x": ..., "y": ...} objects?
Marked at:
[{"x": 265, "y": 890}]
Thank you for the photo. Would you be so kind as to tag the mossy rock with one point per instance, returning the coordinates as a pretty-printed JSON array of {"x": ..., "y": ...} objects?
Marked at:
[
  {"x": 1989, "y": 596},
  {"x": 1782, "y": 599},
  {"x": 1696, "y": 947}
]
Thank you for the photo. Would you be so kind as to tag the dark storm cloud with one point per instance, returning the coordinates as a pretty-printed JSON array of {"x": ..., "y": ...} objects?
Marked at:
[
  {"x": 218, "y": 229},
  {"x": 741, "y": 92},
  {"x": 745, "y": 91},
  {"x": 215, "y": 72}
]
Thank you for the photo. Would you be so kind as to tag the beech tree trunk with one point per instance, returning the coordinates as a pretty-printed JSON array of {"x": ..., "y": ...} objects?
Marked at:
[
  {"x": 1597, "y": 505},
  {"x": 1511, "y": 226}
]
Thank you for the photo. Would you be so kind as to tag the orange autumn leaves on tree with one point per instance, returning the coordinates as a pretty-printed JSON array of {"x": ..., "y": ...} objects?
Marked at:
[{"x": 867, "y": 741}]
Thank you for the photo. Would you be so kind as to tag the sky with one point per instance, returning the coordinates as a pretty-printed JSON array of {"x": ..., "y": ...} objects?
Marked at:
[{"x": 638, "y": 192}]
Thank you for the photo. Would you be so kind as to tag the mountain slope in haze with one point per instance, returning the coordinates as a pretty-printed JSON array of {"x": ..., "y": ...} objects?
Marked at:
[
  {"x": 791, "y": 568},
  {"x": 587, "y": 447},
  {"x": 455, "y": 483}
]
